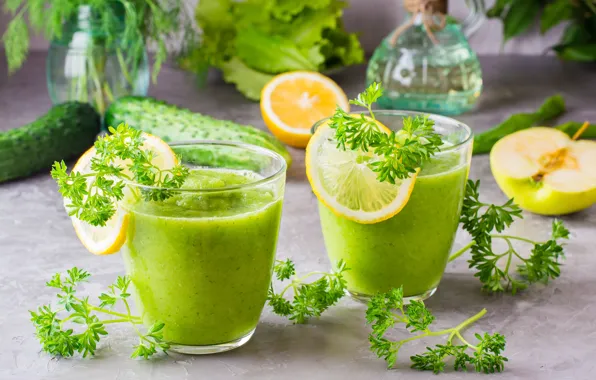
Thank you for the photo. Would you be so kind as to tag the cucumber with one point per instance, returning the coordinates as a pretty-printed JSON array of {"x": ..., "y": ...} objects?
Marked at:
[
  {"x": 174, "y": 124},
  {"x": 65, "y": 132}
]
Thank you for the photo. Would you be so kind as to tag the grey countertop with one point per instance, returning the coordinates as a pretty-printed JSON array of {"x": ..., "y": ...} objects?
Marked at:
[{"x": 551, "y": 330}]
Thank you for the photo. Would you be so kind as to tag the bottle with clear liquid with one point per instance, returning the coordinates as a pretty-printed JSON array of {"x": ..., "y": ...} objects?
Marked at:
[{"x": 433, "y": 72}]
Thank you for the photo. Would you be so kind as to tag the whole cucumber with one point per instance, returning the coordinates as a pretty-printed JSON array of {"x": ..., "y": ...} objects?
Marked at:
[
  {"x": 175, "y": 124},
  {"x": 65, "y": 132}
]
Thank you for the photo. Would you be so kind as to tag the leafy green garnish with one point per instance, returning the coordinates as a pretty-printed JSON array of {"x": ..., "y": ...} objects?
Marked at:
[
  {"x": 75, "y": 326},
  {"x": 386, "y": 310},
  {"x": 253, "y": 40},
  {"x": 93, "y": 195},
  {"x": 481, "y": 220},
  {"x": 310, "y": 299},
  {"x": 398, "y": 154}
]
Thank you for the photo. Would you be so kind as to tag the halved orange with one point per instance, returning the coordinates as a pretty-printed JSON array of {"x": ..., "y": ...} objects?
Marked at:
[{"x": 291, "y": 103}]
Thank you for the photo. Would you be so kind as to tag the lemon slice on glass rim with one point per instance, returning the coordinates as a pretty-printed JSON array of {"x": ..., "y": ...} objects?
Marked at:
[
  {"x": 108, "y": 239},
  {"x": 343, "y": 181}
]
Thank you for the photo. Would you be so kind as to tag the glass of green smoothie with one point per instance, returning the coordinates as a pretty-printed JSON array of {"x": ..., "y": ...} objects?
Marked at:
[
  {"x": 410, "y": 249},
  {"x": 201, "y": 256}
]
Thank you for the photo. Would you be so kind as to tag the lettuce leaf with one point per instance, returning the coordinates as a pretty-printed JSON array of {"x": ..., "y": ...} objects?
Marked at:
[
  {"x": 248, "y": 81},
  {"x": 270, "y": 54},
  {"x": 251, "y": 39},
  {"x": 285, "y": 10}
]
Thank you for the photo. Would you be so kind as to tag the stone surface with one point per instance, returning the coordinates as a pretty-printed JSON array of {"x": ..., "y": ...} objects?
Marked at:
[{"x": 551, "y": 330}]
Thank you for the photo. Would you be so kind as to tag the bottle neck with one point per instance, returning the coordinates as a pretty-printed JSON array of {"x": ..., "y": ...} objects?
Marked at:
[{"x": 434, "y": 6}]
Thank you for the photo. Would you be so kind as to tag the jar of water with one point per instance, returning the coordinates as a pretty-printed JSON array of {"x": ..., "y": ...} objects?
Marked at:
[{"x": 427, "y": 64}]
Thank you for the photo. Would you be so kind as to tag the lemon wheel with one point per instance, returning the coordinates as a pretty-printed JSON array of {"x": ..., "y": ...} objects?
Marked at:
[
  {"x": 344, "y": 182},
  {"x": 108, "y": 239}
]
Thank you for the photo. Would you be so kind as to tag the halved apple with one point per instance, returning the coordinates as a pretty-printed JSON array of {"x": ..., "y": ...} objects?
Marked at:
[{"x": 545, "y": 171}]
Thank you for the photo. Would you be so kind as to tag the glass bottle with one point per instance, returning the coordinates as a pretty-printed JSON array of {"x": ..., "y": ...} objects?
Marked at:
[
  {"x": 86, "y": 64},
  {"x": 434, "y": 72}
]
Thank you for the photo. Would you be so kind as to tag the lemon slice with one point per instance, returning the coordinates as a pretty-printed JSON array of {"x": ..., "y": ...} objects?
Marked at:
[
  {"x": 546, "y": 171},
  {"x": 110, "y": 238},
  {"x": 343, "y": 181},
  {"x": 293, "y": 102}
]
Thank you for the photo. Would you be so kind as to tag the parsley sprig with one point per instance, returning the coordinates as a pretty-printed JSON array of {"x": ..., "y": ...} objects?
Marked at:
[
  {"x": 310, "y": 299},
  {"x": 397, "y": 154},
  {"x": 75, "y": 327},
  {"x": 386, "y": 310},
  {"x": 119, "y": 157},
  {"x": 481, "y": 220}
]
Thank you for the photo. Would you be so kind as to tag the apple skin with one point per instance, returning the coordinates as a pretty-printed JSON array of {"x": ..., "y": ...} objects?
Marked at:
[{"x": 540, "y": 198}]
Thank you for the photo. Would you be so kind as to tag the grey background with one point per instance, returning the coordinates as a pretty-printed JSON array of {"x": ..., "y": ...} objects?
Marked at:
[
  {"x": 550, "y": 330},
  {"x": 374, "y": 19}
]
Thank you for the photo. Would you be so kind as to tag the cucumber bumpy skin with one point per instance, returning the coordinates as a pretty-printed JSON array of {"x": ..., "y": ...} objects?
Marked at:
[
  {"x": 65, "y": 132},
  {"x": 172, "y": 123}
]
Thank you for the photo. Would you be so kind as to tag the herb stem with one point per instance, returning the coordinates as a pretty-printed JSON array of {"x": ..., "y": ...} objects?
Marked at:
[
  {"x": 300, "y": 280},
  {"x": 464, "y": 341},
  {"x": 116, "y": 314},
  {"x": 461, "y": 251},
  {"x": 141, "y": 336},
  {"x": 497, "y": 236},
  {"x": 509, "y": 252},
  {"x": 120, "y": 320},
  {"x": 455, "y": 331}
]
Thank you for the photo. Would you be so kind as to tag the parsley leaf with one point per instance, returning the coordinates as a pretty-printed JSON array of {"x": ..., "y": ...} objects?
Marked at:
[
  {"x": 387, "y": 309},
  {"x": 85, "y": 328},
  {"x": 310, "y": 299},
  {"x": 481, "y": 220},
  {"x": 398, "y": 154},
  {"x": 93, "y": 196}
]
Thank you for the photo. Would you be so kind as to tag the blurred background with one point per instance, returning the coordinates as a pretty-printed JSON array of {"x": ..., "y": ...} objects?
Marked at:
[{"x": 374, "y": 19}]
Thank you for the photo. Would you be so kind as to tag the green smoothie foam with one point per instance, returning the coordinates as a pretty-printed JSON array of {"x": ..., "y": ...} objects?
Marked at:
[
  {"x": 201, "y": 262},
  {"x": 409, "y": 249}
]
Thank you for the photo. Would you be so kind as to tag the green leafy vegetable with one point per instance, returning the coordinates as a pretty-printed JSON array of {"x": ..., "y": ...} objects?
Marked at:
[
  {"x": 578, "y": 42},
  {"x": 550, "y": 109},
  {"x": 519, "y": 17},
  {"x": 93, "y": 195},
  {"x": 75, "y": 327},
  {"x": 145, "y": 22},
  {"x": 572, "y": 127},
  {"x": 481, "y": 220},
  {"x": 399, "y": 154},
  {"x": 271, "y": 54},
  {"x": 386, "y": 310},
  {"x": 310, "y": 299},
  {"x": 253, "y": 39}
]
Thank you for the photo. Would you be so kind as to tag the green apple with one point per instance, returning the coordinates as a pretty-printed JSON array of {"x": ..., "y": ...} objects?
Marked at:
[{"x": 546, "y": 171}]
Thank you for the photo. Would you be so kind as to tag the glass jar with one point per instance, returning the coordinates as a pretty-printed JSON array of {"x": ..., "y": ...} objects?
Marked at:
[
  {"x": 435, "y": 72},
  {"x": 87, "y": 64}
]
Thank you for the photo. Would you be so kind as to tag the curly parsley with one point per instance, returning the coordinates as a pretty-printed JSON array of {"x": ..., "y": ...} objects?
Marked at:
[
  {"x": 481, "y": 220},
  {"x": 75, "y": 327},
  {"x": 119, "y": 157},
  {"x": 310, "y": 299},
  {"x": 397, "y": 154},
  {"x": 386, "y": 310}
]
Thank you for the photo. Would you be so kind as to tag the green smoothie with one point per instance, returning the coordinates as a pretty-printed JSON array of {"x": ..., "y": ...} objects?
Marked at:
[
  {"x": 201, "y": 262},
  {"x": 411, "y": 248}
]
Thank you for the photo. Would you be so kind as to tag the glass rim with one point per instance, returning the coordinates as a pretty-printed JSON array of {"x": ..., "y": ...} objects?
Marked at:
[
  {"x": 254, "y": 148},
  {"x": 437, "y": 118}
]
